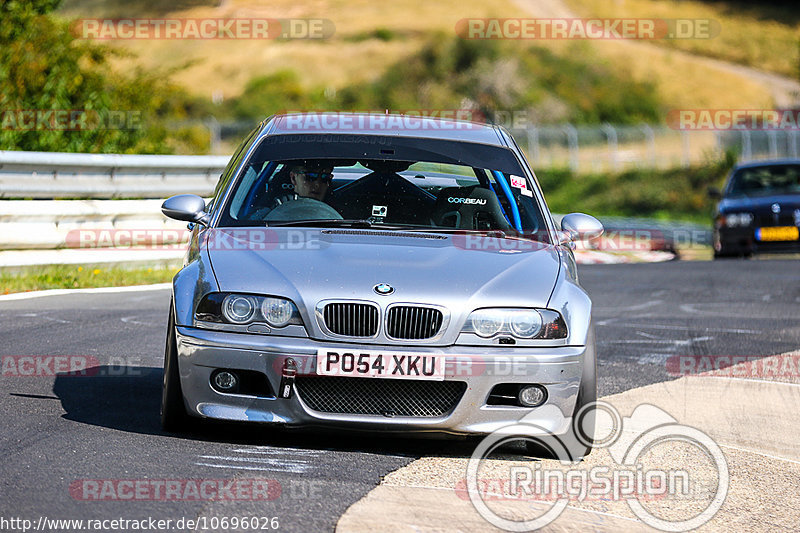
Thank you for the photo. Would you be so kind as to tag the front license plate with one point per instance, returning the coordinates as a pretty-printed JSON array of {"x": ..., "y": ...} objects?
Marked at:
[
  {"x": 781, "y": 233},
  {"x": 376, "y": 364}
]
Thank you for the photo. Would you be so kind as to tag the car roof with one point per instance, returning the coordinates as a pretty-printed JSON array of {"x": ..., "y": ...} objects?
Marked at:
[
  {"x": 410, "y": 126},
  {"x": 767, "y": 163}
]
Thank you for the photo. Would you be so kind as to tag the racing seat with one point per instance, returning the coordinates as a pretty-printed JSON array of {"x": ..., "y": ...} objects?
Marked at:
[
  {"x": 470, "y": 208},
  {"x": 280, "y": 188}
]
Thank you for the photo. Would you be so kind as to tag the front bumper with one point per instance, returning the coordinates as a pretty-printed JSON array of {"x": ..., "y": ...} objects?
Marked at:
[
  {"x": 558, "y": 369},
  {"x": 743, "y": 241}
]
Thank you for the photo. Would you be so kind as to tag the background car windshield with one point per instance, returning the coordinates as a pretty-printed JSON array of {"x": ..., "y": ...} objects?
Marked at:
[
  {"x": 775, "y": 179},
  {"x": 407, "y": 193}
]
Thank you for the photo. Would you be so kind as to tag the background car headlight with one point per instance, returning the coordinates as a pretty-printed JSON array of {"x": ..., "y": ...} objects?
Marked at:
[
  {"x": 243, "y": 309},
  {"x": 733, "y": 220},
  {"x": 519, "y": 323}
]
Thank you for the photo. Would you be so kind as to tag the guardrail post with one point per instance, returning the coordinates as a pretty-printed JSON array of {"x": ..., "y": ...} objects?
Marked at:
[
  {"x": 791, "y": 141},
  {"x": 572, "y": 142},
  {"x": 533, "y": 144},
  {"x": 611, "y": 135},
  {"x": 650, "y": 136},
  {"x": 686, "y": 149},
  {"x": 747, "y": 145},
  {"x": 772, "y": 140}
]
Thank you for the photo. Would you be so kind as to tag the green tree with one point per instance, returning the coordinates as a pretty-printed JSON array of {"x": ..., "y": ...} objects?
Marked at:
[{"x": 43, "y": 66}]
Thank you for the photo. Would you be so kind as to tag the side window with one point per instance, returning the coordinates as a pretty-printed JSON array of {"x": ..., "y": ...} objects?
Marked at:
[{"x": 233, "y": 164}]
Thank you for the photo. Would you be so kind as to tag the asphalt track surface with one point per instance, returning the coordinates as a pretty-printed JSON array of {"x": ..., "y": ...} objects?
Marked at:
[{"x": 58, "y": 429}]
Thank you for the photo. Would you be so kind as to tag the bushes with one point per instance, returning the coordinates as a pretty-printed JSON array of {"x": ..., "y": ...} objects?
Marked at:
[
  {"x": 679, "y": 193},
  {"x": 485, "y": 76},
  {"x": 43, "y": 67}
]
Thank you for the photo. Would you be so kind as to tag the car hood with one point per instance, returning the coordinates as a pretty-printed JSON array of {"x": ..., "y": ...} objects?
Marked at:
[
  {"x": 759, "y": 204},
  {"x": 310, "y": 265}
]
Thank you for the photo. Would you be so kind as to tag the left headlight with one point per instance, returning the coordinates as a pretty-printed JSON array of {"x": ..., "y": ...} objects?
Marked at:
[
  {"x": 519, "y": 323},
  {"x": 738, "y": 219},
  {"x": 244, "y": 309}
]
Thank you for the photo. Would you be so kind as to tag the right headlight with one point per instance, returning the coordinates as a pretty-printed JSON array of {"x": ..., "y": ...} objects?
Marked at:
[
  {"x": 246, "y": 309},
  {"x": 519, "y": 323}
]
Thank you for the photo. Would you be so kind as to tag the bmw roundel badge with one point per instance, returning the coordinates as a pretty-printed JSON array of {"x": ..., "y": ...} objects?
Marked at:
[{"x": 383, "y": 289}]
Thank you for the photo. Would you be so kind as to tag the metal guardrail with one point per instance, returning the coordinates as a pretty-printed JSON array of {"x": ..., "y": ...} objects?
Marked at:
[{"x": 65, "y": 175}]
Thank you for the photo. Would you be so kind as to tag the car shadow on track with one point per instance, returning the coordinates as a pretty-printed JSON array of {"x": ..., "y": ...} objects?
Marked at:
[{"x": 129, "y": 398}]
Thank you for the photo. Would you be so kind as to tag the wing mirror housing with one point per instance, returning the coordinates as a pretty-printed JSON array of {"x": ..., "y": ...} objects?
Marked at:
[
  {"x": 186, "y": 207},
  {"x": 579, "y": 226}
]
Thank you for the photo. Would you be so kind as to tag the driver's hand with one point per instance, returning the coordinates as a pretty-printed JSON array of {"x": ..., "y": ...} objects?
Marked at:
[{"x": 283, "y": 199}]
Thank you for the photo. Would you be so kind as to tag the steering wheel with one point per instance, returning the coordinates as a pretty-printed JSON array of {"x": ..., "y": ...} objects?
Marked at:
[{"x": 303, "y": 209}]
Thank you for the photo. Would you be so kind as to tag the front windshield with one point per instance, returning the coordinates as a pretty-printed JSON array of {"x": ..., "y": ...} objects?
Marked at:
[
  {"x": 382, "y": 193},
  {"x": 773, "y": 179}
]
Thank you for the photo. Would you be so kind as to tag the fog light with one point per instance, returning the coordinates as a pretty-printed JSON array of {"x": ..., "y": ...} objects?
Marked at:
[
  {"x": 225, "y": 381},
  {"x": 532, "y": 396}
]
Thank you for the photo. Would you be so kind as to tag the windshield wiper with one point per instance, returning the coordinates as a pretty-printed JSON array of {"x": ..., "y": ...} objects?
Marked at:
[
  {"x": 323, "y": 223},
  {"x": 367, "y": 224}
]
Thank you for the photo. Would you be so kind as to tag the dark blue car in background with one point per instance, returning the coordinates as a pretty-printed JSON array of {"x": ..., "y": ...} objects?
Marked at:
[{"x": 759, "y": 209}]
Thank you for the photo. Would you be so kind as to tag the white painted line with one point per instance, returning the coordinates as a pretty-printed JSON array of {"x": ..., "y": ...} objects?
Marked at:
[
  {"x": 97, "y": 290},
  {"x": 747, "y": 450},
  {"x": 278, "y": 451},
  {"x": 769, "y": 381},
  {"x": 278, "y": 466},
  {"x": 679, "y": 328},
  {"x": 502, "y": 495},
  {"x": 264, "y": 460},
  {"x": 238, "y": 467}
]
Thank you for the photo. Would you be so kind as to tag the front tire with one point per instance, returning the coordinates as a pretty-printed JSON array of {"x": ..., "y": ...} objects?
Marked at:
[{"x": 174, "y": 417}]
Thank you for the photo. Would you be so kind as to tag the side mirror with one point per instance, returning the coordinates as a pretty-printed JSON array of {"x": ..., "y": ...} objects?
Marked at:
[
  {"x": 579, "y": 226},
  {"x": 714, "y": 193},
  {"x": 187, "y": 207}
]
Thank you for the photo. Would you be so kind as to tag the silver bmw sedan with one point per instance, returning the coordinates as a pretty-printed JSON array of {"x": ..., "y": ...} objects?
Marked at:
[{"x": 384, "y": 273}]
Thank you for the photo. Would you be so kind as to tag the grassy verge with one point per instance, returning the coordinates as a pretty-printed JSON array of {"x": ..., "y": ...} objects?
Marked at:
[
  {"x": 673, "y": 194},
  {"x": 80, "y": 276}
]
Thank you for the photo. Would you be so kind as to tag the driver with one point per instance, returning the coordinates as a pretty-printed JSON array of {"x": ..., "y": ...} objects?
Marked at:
[{"x": 312, "y": 180}]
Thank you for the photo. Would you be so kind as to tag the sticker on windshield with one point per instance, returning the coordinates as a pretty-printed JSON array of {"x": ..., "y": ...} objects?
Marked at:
[
  {"x": 379, "y": 210},
  {"x": 518, "y": 182},
  {"x": 521, "y": 184}
]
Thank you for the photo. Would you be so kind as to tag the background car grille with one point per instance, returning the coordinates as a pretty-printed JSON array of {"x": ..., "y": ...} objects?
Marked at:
[
  {"x": 351, "y": 319},
  {"x": 375, "y": 396},
  {"x": 406, "y": 322},
  {"x": 785, "y": 218}
]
